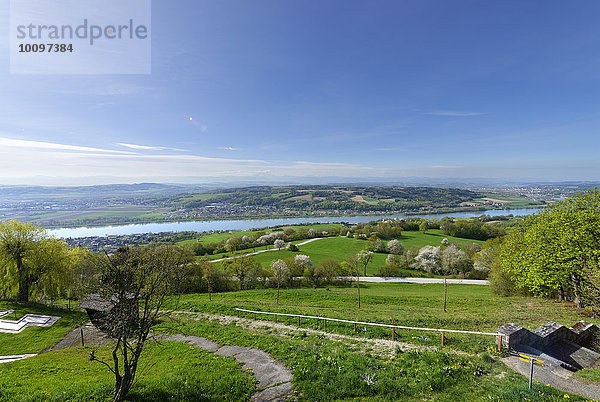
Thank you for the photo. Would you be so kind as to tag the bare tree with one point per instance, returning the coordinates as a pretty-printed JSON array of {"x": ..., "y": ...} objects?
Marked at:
[{"x": 136, "y": 283}]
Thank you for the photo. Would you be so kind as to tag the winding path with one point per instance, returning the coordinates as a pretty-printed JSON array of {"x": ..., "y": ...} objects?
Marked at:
[
  {"x": 274, "y": 379},
  {"x": 268, "y": 250}
]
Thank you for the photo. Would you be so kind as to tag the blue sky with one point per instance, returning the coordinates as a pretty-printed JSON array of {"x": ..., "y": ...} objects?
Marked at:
[{"x": 277, "y": 89}]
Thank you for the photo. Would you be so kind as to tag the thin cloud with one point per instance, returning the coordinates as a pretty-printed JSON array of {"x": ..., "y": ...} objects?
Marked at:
[
  {"x": 449, "y": 113},
  {"x": 14, "y": 143},
  {"x": 444, "y": 167},
  {"x": 148, "y": 148},
  {"x": 229, "y": 149}
]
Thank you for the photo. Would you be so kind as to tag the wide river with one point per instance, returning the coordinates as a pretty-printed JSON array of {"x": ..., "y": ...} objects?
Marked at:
[{"x": 242, "y": 224}]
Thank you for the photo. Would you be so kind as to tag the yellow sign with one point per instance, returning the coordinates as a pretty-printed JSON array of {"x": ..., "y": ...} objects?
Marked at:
[{"x": 529, "y": 359}]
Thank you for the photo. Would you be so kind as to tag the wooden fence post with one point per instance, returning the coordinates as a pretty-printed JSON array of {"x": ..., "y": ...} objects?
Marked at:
[
  {"x": 325, "y": 324},
  {"x": 354, "y": 327},
  {"x": 393, "y": 333},
  {"x": 499, "y": 343},
  {"x": 442, "y": 339},
  {"x": 298, "y": 322}
]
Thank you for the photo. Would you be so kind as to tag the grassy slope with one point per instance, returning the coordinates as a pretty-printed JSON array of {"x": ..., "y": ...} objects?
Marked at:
[
  {"x": 325, "y": 370},
  {"x": 470, "y": 307},
  {"x": 36, "y": 339},
  {"x": 340, "y": 248},
  {"x": 169, "y": 371},
  {"x": 218, "y": 237}
]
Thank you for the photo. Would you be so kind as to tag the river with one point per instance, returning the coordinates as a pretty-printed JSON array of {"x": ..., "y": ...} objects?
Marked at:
[{"x": 246, "y": 224}]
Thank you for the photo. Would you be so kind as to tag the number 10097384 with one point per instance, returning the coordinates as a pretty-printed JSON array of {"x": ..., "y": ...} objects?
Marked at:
[{"x": 45, "y": 47}]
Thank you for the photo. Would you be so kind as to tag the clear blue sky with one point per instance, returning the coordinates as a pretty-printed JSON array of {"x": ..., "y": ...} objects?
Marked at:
[{"x": 280, "y": 88}]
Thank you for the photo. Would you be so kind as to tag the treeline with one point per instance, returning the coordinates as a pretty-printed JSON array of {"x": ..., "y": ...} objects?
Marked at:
[
  {"x": 554, "y": 253},
  {"x": 337, "y": 198}
]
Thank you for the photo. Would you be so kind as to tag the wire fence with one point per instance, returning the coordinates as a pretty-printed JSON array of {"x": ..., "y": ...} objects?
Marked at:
[{"x": 375, "y": 324}]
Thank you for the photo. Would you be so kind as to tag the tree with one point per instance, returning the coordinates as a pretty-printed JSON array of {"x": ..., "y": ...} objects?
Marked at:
[
  {"x": 423, "y": 226},
  {"x": 354, "y": 264},
  {"x": 31, "y": 262},
  {"x": 365, "y": 257},
  {"x": 137, "y": 283},
  {"x": 279, "y": 244},
  {"x": 395, "y": 247},
  {"x": 375, "y": 244},
  {"x": 428, "y": 259},
  {"x": 212, "y": 276},
  {"x": 558, "y": 250},
  {"x": 245, "y": 269},
  {"x": 281, "y": 273}
]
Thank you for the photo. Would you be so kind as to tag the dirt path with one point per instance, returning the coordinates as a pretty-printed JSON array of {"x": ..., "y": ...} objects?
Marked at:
[{"x": 382, "y": 347}]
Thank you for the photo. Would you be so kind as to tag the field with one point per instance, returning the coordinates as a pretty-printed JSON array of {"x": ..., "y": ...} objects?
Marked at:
[
  {"x": 470, "y": 307},
  {"x": 323, "y": 369},
  {"x": 37, "y": 339},
  {"x": 340, "y": 248},
  {"x": 170, "y": 371}
]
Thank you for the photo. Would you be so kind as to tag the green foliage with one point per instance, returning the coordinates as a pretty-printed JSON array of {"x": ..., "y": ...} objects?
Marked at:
[
  {"x": 31, "y": 262},
  {"x": 558, "y": 250}
]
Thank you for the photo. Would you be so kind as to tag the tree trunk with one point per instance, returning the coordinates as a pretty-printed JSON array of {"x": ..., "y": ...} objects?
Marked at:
[
  {"x": 277, "y": 292},
  {"x": 122, "y": 386},
  {"x": 445, "y": 291},
  {"x": 23, "y": 295}
]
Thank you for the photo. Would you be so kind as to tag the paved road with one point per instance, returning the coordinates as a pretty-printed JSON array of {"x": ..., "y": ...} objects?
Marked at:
[{"x": 380, "y": 279}]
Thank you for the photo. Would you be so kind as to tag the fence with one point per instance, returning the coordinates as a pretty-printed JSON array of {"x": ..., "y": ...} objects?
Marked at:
[{"x": 375, "y": 324}]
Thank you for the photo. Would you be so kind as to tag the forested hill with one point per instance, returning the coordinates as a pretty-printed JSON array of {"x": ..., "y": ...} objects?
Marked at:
[{"x": 336, "y": 198}]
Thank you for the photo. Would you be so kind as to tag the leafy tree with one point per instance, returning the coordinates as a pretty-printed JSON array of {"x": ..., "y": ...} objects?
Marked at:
[
  {"x": 212, "y": 276},
  {"x": 137, "y": 283},
  {"x": 395, "y": 247},
  {"x": 375, "y": 244},
  {"x": 279, "y": 244},
  {"x": 31, "y": 262},
  {"x": 246, "y": 269},
  {"x": 558, "y": 250}
]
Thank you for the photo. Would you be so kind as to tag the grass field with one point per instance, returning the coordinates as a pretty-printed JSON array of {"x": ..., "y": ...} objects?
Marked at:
[
  {"x": 169, "y": 372},
  {"x": 325, "y": 370},
  {"x": 340, "y": 248},
  {"x": 218, "y": 237},
  {"x": 470, "y": 307},
  {"x": 36, "y": 339}
]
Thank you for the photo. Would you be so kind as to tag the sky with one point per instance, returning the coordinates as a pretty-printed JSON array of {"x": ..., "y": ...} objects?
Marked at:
[{"x": 274, "y": 90}]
